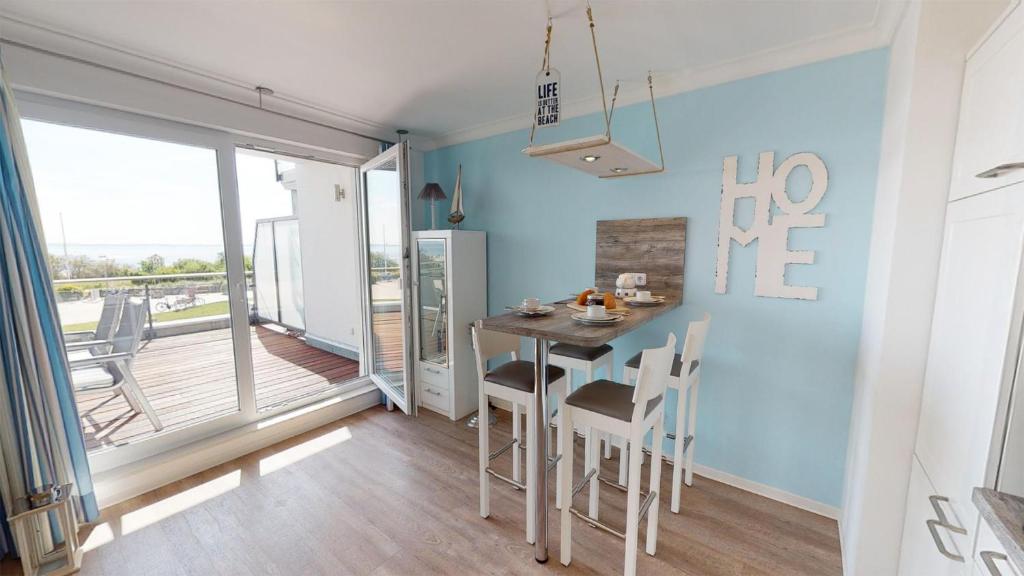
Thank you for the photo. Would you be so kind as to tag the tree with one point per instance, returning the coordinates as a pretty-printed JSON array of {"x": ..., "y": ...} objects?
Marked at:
[{"x": 152, "y": 265}]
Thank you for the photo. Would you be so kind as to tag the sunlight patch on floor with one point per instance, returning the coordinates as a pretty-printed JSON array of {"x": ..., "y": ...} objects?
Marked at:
[
  {"x": 100, "y": 535},
  {"x": 179, "y": 502},
  {"x": 304, "y": 450}
]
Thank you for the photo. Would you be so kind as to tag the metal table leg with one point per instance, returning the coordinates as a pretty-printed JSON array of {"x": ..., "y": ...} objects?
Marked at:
[{"x": 540, "y": 404}]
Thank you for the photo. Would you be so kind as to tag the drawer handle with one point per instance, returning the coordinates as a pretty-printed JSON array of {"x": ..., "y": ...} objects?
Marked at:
[
  {"x": 1001, "y": 170},
  {"x": 943, "y": 520},
  {"x": 989, "y": 558},
  {"x": 933, "y": 528},
  {"x": 432, "y": 370},
  {"x": 432, "y": 391}
]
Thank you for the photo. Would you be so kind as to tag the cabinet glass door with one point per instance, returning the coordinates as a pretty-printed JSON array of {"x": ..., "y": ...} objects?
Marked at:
[{"x": 433, "y": 301}]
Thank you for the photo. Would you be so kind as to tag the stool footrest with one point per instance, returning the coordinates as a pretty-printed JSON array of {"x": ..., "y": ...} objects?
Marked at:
[
  {"x": 596, "y": 523},
  {"x": 578, "y": 487},
  {"x": 506, "y": 479},
  {"x": 503, "y": 449},
  {"x": 646, "y": 505},
  {"x": 552, "y": 462}
]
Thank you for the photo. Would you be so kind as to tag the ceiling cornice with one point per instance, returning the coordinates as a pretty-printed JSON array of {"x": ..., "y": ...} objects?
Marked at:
[{"x": 876, "y": 34}]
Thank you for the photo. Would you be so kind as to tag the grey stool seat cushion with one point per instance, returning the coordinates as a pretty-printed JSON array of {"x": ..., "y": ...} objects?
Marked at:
[
  {"x": 677, "y": 364},
  {"x": 518, "y": 374},
  {"x": 580, "y": 352},
  {"x": 608, "y": 398}
]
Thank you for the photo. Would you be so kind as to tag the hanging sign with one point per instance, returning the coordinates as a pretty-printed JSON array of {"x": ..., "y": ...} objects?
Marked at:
[{"x": 549, "y": 97}]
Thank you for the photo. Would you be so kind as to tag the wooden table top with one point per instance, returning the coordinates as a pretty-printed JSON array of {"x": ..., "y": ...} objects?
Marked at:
[{"x": 560, "y": 327}]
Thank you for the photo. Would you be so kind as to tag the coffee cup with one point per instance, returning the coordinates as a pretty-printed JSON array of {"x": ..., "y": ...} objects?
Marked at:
[
  {"x": 531, "y": 303},
  {"x": 643, "y": 295},
  {"x": 596, "y": 312}
]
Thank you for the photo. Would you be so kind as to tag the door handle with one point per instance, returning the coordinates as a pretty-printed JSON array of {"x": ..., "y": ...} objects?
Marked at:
[
  {"x": 943, "y": 520},
  {"x": 989, "y": 558},
  {"x": 1001, "y": 170},
  {"x": 933, "y": 528}
]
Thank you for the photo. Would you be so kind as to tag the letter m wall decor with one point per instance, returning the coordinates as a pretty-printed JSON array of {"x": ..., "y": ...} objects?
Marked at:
[{"x": 770, "y": 228}]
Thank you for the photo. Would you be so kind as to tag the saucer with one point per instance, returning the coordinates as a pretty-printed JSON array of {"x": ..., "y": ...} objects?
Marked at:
[
  {"x": 609, "y": 319},
  {"x": 531, "y": 312},
  {"x": 634, "y": 301}
]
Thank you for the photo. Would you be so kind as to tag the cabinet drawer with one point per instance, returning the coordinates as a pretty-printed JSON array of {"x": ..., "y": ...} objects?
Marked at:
[
  {"x": 434, "y": 397},
  {"x": 990, "y": 557},
  {"x": 436, "y": 375}
]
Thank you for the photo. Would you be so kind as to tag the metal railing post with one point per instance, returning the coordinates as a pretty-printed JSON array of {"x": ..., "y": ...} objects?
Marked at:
[{"x": 149, "y": 313}]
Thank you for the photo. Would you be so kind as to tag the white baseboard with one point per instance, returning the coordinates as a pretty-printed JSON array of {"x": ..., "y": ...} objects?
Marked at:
[
  {"x": 768, "y": 491},
  {"x": 120, "y": 484}
]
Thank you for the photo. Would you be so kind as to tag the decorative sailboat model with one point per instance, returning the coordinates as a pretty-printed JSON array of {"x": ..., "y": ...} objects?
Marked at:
[
  {"x": 457, "y": 216},
  {"x": 597, "y": 155}
]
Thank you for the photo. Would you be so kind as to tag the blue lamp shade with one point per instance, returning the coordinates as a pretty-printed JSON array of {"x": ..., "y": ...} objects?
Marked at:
[{"x": 432, "y": 191}]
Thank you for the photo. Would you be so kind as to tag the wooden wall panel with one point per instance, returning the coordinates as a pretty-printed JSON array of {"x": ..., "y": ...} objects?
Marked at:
[{"x": 652, "y": 245}]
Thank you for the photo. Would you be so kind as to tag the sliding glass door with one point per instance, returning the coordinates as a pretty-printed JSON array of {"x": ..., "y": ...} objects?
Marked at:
[{"x": 387, "y": 275}]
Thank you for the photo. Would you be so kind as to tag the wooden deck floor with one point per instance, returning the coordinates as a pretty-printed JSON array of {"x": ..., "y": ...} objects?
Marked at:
[
  {"x": 382, "y": 494},
  {"x": 191, "y": 378}
]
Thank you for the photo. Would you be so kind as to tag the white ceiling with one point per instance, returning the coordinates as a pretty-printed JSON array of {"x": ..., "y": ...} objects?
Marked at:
[{"x": 453, "y": 69}]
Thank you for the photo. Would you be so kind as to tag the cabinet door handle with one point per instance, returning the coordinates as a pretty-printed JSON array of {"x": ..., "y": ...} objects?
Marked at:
[
  {"x": 989, "y": 558},
  {"x": 933, "y": 528},
  {"x": 943, "y": 520},
  {"x": 1001, "y": 170}
]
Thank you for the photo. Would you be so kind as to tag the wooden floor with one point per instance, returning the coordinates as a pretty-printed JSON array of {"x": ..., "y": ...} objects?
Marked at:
[
  {"x": 379, "y": 493},
  {"x": 191, "y": 378}
]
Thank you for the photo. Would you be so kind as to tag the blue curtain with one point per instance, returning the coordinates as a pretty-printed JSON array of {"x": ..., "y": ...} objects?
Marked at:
[{"x": 41, "y": 439}]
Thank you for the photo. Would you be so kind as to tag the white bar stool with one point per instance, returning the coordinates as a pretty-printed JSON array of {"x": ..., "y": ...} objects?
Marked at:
[
  {"x": 693, "y": 351},
  {"x": 589, "y": 360},
  {"x": 628, "y": 412},
  {"x": 512, "y": 382}
]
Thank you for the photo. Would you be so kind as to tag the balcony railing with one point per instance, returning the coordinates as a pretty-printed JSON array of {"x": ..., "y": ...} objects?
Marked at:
[{"x": 176, "y": 303}]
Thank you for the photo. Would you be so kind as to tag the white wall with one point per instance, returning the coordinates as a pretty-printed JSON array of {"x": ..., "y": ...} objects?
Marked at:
[
  {"x": 330, "y": 271},
  {"x": 926, "y": 72}
]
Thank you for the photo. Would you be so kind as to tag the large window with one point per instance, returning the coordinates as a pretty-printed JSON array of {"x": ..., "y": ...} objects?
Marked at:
[
  {"x": 200, "y": 285},
  {"x": 136, "y": 251}
]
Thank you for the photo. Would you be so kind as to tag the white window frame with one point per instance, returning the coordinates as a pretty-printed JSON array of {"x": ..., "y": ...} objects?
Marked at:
[{"x": 225, "y": 144}]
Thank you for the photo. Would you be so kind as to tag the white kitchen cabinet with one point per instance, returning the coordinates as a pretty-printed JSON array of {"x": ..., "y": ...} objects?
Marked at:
[
  {"x": 991, "y": 130},
  {"x": 974, "y": 344},
  {"x": 990, "y": 558},
  {"x": 927, "y": 543},
  {"x": 450, "y": 293}
]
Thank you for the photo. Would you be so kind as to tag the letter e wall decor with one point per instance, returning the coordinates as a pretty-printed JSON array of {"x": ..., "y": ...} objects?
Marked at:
[{"x": 770, "y": 229}]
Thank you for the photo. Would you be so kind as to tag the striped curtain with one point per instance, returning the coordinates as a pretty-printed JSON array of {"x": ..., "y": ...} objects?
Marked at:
[{"x": 40, "y": 435}]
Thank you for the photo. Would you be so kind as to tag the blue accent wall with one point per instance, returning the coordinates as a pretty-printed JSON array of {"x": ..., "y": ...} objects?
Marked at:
[{"x": 777, "y": 381}]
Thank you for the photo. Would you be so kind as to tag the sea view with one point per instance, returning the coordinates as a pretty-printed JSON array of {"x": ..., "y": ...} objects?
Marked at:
[{"x": 132, "y": 254}]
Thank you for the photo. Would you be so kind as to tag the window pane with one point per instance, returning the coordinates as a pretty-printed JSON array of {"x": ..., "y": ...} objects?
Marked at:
[{"x": 136, "y": 252}]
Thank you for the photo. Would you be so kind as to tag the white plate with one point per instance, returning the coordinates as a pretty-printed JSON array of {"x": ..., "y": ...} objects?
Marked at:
[
  {"x": 538, "y": 311},
  {"x": 582, "y": 317},
  {"x": 634, "y": 301}
]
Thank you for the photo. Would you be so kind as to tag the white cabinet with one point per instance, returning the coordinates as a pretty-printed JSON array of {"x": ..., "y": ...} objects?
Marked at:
[
  {"x": 926, "y": 542},
  {"x": 990, "y": 557},
  {"x": 450, "y": 293},
  {"x": 991, "y": 131},
  {"x": 973, "y": 350}
]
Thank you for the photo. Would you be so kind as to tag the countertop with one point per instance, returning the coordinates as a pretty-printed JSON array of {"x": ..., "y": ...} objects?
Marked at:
[{"x": 1004, "y": 514}]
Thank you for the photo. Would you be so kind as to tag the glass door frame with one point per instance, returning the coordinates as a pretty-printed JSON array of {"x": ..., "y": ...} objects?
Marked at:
[
  {"x": 225, "y": 144},
  {"x": 398, "y": 153}
]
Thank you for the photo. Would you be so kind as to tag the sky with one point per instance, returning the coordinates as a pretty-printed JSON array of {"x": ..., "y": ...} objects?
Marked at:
[{"x": 113, "y": 189}]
